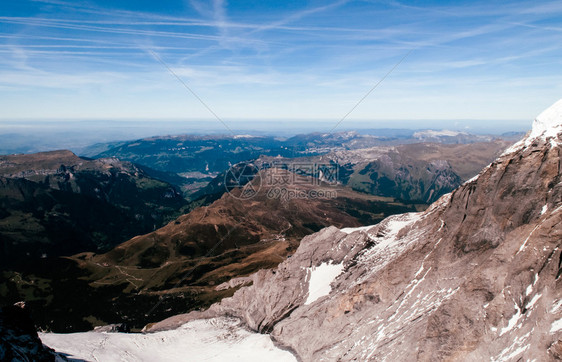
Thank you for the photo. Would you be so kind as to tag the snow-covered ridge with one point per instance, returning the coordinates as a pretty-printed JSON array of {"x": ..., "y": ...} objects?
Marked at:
[
  {"x": 547, "y": 125},
  {"x": 352, "y": 230}
]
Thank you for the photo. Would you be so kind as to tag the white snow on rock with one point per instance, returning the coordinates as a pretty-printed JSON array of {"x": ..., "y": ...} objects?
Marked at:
[
  {"x": 399, "y": 222},
  {"x": 556, "y": 326},
  {"x": 547, "y": 125},
  {"x": 352, "y": 230},
  {"x": 556, "y": 307},
  {"x": 320, "y": 279},
  {"x": 387, "y": 243},
  {"x": 218, "y": 339},
  {"x": 512, "y": 321},
  {"x": 485, "y": 169},
  {"x": 513, "y": 349}
]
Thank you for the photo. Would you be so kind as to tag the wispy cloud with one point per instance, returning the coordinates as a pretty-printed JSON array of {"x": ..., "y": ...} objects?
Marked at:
[
  {"x": 299, "y": 15},
  {"x": 39, "y": 79},
  {"x": 91, "y": 28},
  {"x": 287, "y": 57}
]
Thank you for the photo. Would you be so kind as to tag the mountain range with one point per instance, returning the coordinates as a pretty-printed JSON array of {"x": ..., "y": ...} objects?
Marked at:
[
  {"x": 473, "y": 277},
  {"x": 56, "y": 203},
  {"x": 178, "y": 268},
  {"x": 246, "y": 257},
  {"x": 200, "y": 158}
]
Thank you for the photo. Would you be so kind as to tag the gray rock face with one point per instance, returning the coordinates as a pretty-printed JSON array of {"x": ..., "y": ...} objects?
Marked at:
[
  {"x": 261, "y": 305},
  {"x": 19, "y": 340},
  {"x": 475, "y": 277}
]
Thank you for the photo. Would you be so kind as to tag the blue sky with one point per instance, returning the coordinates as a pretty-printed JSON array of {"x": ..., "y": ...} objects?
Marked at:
[{"x": 309, "y": 60}]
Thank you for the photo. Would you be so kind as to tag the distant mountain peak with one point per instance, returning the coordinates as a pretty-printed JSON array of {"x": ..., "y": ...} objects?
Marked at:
[
  {"x": 548, "y": 123},
  {"x": 436, "y": 133}
]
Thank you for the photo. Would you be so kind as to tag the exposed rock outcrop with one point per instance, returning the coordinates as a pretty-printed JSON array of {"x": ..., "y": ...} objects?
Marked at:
[{"x": 19, "y": 340}]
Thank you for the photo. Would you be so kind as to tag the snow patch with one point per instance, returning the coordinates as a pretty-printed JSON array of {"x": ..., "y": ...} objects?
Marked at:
[
  {"x": 544, "y": 209},
  {"x": 556, "y": 307},
  {"x": 512, "y": 322},
  {"x": 472, "y": 179},
  {"x": 510, "y": 352},
  {"x": 419, "y": 270},
  {"x": 547, "y": 125},
  {"x": 526, "y": 240},
  {"x": 394, "y": 225},
  {"x": 320, "y": 279},
  {"x": 387, "y": 244},
  {"x": 219, "y": 339},
  {"x": 533, "y": 301},
  {"x": 352, "y": 230},
  {"x": 556, "y": 326}
]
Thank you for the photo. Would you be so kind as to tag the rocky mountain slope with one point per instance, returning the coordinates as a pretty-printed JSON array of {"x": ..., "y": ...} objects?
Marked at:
[
  {"x": 186, "y": 264},
  {"x": 56, "y": 203},
  {"x": 171, "y": 267},
  {"x": 420, "y": 172},
  {"x": 475, "y": 277}
]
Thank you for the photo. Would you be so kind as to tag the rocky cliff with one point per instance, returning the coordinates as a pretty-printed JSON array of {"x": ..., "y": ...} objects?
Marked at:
[
  {"x": 475, "y": 277},
  {"x": 56, "y": 203},
  {"x": 19, "y": 340}
]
